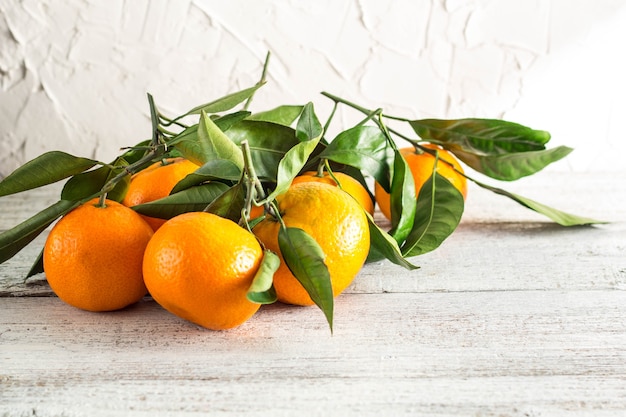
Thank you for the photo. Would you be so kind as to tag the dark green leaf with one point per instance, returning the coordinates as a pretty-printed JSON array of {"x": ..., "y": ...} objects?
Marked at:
[
  {"x": 47, "y": 168},
  {"x": 218, "y": 169},
  {"x": 262, "y": 290},
  {"x": 439, "y": 209},
  {"x": 309, "y": 131},
  {"x": 481, "y": 136},
  {"x": 269, "y": 142},
  {"x": 363, "y": 147},
  {"x": 309, "y": 126},
  {"x": 90, "y": 183},
  {"x": 283, "y": 115},
  {"x": 225, "y": 122},
  {"x": 402, "y": 199},
  {"x": 230, "y": 203},
  {"x": 560, "y": 217},
  {"x": 227, "y": 102},
  {"x": 37, "y": 266},
  {"x": 383, "y": 246},
  {"x": 209, "y": 144},
  {"x": 190, "y": 199},
  {"x": 305, "y": 259},
  {"x": 512, "y": 166},
  {"x": 15, "y": 239}
]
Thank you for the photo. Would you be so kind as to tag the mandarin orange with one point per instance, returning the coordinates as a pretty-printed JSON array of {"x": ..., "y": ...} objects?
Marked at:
[
  {"x": 93, "y": 256},
  {"x": 155, "y": 182},
  {"x": 337, "y": 223},
  {"x": 199, "y": 267}
]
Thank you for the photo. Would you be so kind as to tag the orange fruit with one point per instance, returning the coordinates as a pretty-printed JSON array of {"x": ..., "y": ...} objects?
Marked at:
[
  {"x": 334, "y": 219},
  {"x": 256, "y": 211},
  {"x": 346, "y": 183},
  {"x": 93, "y": 256},
  {"x": 155, "y": 182},
  {"x": 421, "y": 166},
  {"x": 199, "y": 267}
]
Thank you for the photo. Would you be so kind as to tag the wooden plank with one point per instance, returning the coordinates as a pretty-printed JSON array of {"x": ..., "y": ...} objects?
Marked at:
[{"x": 487, "y": 353}]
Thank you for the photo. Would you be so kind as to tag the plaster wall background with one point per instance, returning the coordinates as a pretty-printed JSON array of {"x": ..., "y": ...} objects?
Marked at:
[{"x": 74, "y": 74}]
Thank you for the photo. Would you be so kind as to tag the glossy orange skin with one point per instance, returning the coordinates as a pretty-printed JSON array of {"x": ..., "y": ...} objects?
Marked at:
[
  {"x": 336, "y": 222},
  {"x": 155, "y": 182},
  {"x": 346, "y": 183},
  {"x": 199, "y": 267},
  {"x": 93, "y": 256}
]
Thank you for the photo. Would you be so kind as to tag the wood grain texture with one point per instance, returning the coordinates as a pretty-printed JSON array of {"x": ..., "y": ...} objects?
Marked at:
[
  {"x": 512, "y": 316},
  {"x": 494, "y": 353}
]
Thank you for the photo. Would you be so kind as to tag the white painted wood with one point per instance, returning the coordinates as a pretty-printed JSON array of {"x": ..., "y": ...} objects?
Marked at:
[
  {"x": 512, "y": 316},
  {"x": 486, "y": 353}
]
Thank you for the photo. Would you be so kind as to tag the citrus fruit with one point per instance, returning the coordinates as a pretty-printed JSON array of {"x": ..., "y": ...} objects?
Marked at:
[
  {"x": 155, "y": 182},
  {"x": 346, "y": 183},
  {"x": 336, "y": 222},
  {"x": 199, "y": 267},
  {"x": 92, "y": 257},
  {"x": 421, "y": 165}
]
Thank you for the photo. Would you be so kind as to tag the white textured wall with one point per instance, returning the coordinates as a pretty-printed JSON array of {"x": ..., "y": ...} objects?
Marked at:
[{"x": 74, "y": 74}]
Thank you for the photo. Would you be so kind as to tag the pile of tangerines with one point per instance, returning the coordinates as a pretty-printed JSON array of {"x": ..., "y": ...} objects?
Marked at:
[
  {"x": 104, "y": 256},
  {"x": 237, "y": 209}
]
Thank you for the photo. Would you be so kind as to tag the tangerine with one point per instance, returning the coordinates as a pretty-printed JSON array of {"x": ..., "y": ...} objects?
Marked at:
[
  {"x": 199, "y": 267},
  {"x": 155, "y": 182},
  {"x": 337, "y": 223},
  {"x": 421, "y": 166},
  {"x": 93, "y": 256}
]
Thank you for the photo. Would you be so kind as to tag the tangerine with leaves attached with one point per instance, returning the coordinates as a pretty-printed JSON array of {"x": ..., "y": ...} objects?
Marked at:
[{"x": 334, "y": 220}]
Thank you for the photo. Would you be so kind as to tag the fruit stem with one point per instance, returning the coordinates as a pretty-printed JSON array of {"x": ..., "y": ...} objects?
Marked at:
[
  {"x": 254, "y": 188},
  {"x": 369, "y": 113},
  {"x": 261, "y": 81},
  {"x": 129, "y": 170}
]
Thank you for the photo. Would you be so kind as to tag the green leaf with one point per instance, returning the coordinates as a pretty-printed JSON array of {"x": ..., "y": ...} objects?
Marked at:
[
  {"x": 362, "y": 147},
  {"x": 226, "y": 121},
  {"x": 310, "y": 131},
  {"x": 37, "y": 266},
  {"x": 481, "y": 136},
  {"x": 512, "y": 166},
  {"x": 309, "y": 126},
  {"x": 282, "y": 115},
  {"x": 383, "y": 246},
  {"x": 47, "y": 168},
  {"x": 190, "y": 199},
  {"x": 227, "y": 102},
  {"x": 218, "y": 169},
  {"x": 402, "y": 199},
  {"x": 305, "y": 259},
  {"x": 560, "y": 217},
  {"x": 230, "y": 203},
  {"x": 209, "y": 144},
  {"x": 439, "y": 209},
  {"x": 261, "y": 290},
  {"x": 269, "y": 142},
  {"x": 15, "y": 239},
  {"x": 90, "y": 183}
]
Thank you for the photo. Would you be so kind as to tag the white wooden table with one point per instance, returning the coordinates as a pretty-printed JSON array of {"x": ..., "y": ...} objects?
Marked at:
[{"x": 512, "y": 316}]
